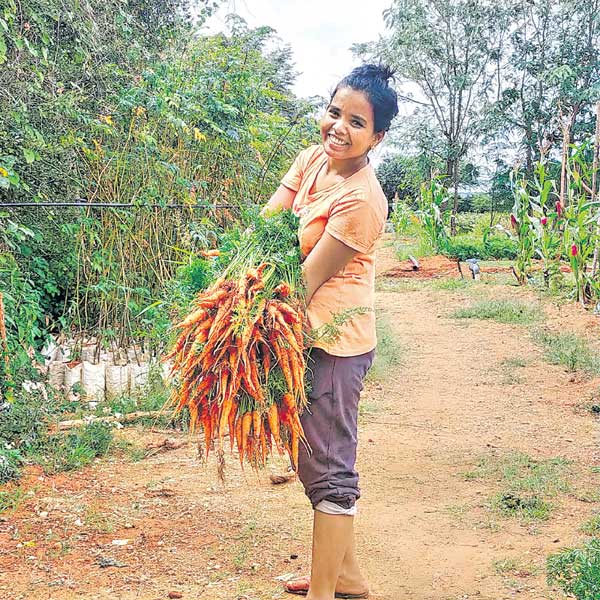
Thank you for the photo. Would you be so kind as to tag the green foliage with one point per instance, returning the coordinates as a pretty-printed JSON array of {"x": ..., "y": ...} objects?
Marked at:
[
  {"x": 10, "y": 462},
  {"x": 591, "y": 526},
  {"x": 514, "y": 312},
  {"x": 480, "y": 203},
  {"x": 490, "y": 247},
  {"x": 433, "y": 214},
  {"x": 10, "y": 499},
  {"x": 123, "y": 102},
  {"x": 550, "y": 68},
  {"x": 24, "y": 423},
  {"x": 529, "y": 507},
  {"x": 568, "y": 349},
  {"x": 577, "y": 570},
  {"x": 400, "y": 175},
  {"x": 76, "y": 449},
  {"x": 528, "y": 484},
  {"x": 444, "y": 49}
]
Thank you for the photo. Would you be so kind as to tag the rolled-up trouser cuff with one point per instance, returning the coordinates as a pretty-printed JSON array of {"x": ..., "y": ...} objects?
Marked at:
[
  {"x": 330, "y": 508},
  {"x": 331, "y": 427}
]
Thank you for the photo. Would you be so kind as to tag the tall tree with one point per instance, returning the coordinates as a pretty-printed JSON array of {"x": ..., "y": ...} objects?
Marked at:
[
  {"x": 447, "y": 50},
  {"x": 549, "y": 72}
]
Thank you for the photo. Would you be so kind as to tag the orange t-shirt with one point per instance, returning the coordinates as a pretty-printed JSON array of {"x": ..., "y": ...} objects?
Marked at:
[{"x": 354, "y": 212}]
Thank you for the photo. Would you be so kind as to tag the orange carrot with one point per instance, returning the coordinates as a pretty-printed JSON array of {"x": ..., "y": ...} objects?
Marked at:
[
  {"x": 246, "y": 424},
  {"x": 209, "y": 253},
  {"x": 266, "y": 359},
  {"x": 256, "y": 423},
  {"x": 238, "y": 438},
  {"x": 290, "y": 403},
  {"x": 263, "y": 446},
  {"x": 198, "y": 315},
  {"x": 273, "y": 419},
  {"x": 283, "y": 290},
  {"x": 231, "y": 423},
  {"x": 284, "y": 364},
  {"x": 207, "y": 424}
]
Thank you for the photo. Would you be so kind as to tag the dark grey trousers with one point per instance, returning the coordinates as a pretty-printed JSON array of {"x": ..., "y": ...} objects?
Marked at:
[{"x": 330, "y": 425}]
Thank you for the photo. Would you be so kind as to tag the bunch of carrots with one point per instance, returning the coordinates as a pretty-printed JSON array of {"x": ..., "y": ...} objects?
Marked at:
[{"x": 239, "y": 361}]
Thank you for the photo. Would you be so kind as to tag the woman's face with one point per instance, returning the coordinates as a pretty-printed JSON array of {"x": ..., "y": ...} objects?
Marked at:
[{"x": 348, "y": 126}]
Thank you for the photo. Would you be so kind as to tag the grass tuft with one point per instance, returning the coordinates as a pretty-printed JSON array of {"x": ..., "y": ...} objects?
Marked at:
[
  {"x": 591, "y": 526},
  {"x": 527, "y": 483},
  {"x": 449, "y": 284},
  {"x": 10, "y": 499},
  {"x": 568, "y": 349},
  {"x": 515, "y": 312}
]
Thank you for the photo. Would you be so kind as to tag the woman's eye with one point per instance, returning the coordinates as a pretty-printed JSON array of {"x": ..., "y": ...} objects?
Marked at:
[{"x": 356, "y": 123}]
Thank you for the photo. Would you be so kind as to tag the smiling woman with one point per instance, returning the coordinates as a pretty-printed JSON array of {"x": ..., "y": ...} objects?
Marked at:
[{"x": 333, "y": 189}]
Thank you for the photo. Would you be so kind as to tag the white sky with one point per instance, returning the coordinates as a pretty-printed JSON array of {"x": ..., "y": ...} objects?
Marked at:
[{"x": 320, "y": 33}]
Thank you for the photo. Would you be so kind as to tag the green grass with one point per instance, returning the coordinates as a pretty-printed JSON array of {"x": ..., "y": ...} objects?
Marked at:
[
  {"x": 577, "y": 570},
  {"x": 11, "y": 499},
  {"x": 366, "y": 408},
  {"x": 74, "y": 450},
  {"x": 568, "y": 349},
  {"x": 449, "y": 284},
  {"x": 524, "y": 506},
  {"x": 412, "y": 247},
  {"x": 513, "y": 566},
  {"x": 514, "y": 312},
  {"x": 243, "y": 545},
  {"x": 592, "y": 525},
  {"x": 10, "y": 463},
  {"x": 508, "y": 369},
  {"x": 389, "y": 352},
  {"x": 527, "y": 484}
]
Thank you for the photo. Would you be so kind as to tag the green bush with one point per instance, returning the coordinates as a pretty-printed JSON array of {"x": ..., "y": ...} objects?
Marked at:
[
  {"x": 76, "y": 449},
  {"x": 577, "y": 570},
  {"x": 24, "y": 423},
  {"x": 494, "y": 247}
]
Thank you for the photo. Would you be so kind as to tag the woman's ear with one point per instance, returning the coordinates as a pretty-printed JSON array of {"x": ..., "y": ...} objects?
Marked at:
[{"x": 377, "y": 139}]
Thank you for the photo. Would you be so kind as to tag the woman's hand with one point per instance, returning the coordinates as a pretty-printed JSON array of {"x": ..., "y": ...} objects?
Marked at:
[
  {"x": 328, "y": 257},
  {"x": 282, "y": 199}
]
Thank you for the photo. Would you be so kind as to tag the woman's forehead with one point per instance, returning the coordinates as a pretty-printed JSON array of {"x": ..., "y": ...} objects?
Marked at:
[{"x": 352, "y": 100}]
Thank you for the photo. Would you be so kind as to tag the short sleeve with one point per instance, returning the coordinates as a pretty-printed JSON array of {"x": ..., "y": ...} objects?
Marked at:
[
  {"x": 293, "y": 178},
  {"x": 356, "y": 223}
]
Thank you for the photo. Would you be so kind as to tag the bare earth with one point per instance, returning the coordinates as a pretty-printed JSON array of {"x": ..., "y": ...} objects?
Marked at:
[{"x": 163, "y": 525}]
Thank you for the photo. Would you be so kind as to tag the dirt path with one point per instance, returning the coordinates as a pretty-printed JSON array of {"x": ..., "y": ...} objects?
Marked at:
[{"x": 140, "y": 530}]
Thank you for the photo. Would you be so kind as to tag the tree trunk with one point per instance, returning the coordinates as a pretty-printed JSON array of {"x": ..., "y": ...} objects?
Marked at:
[
  {"x": 594, "y": 185},
  {"x": 455, "y": 174}
]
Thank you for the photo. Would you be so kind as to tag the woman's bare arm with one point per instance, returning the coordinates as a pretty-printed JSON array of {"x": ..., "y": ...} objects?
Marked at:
[
  {"x": 328, "y": 257},
  {"x": 282, "y": 199}
]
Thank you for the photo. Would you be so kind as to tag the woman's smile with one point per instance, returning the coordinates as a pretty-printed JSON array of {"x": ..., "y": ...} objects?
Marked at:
[{"x": 348, "y": 128}]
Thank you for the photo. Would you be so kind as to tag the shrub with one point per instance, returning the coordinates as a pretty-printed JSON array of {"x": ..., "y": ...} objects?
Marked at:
[
  {"x": 577, "y": 570},
  {"x": 78, "y": 448},
  {"x": 493, "y": 247}
]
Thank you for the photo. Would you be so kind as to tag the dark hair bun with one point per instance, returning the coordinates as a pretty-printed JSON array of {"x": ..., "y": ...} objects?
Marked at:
[
  {"x": 383, "y": 72},
  {"x": 373, "y": 81}
]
